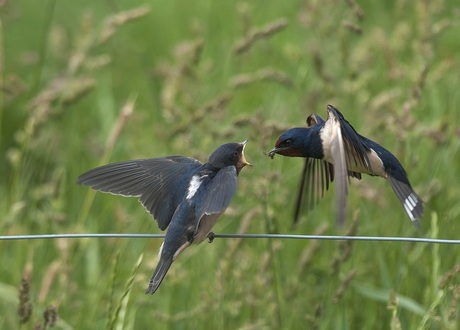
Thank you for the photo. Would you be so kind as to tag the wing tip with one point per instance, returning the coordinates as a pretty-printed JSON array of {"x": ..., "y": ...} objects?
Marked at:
[{"x": 81, "y": 179}]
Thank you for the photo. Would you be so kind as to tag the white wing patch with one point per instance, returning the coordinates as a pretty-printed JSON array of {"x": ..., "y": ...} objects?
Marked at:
[
  {"x": 195, "y": 183},
  {"x": 193, "y": 186}
]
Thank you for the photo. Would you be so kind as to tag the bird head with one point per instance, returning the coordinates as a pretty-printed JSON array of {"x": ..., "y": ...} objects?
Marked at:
[
  {"x": 291, "y": 143},
  {"x": 229, "y": 154}
]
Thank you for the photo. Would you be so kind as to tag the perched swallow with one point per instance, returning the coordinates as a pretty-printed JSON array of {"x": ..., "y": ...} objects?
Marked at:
[
  {"x": 179, "y": 192},
  {"x": 334, "y": 150}
]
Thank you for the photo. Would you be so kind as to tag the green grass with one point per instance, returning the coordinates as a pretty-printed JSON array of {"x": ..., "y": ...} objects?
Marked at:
[{"x": 179, "y": 73}]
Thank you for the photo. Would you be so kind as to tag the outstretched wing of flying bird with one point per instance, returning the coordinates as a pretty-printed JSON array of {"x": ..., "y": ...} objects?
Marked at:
[
  {"x": 351, "y": 152},
  {"x": 340, "y": 170},
  {"x": 317, "y": 174},
  {"x": 356, "y": 150}
]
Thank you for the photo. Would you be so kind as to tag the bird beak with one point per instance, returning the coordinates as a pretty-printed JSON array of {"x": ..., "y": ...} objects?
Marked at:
[
  {"x": 243, "y": 160},
  {"x": 274, "y": 151}
]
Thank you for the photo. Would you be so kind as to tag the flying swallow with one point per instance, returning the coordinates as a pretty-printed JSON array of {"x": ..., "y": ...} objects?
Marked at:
[
  {"x": 179, "y": 192},
  {"x": 334, "y": 150}
]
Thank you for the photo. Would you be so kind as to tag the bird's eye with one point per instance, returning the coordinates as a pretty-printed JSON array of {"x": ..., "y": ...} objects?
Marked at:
[
  {"x": 235, "y": 154},
  {"x": 288, "y": 142}
]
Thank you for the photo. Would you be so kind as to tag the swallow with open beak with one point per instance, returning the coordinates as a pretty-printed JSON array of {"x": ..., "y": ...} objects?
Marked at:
[
  {"x": 179, "y": 192},
  {"x": 334, "y": 150}
]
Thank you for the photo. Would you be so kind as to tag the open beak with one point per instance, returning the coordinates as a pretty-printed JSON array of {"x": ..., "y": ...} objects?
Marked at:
[{"x": 243, "y": 160}]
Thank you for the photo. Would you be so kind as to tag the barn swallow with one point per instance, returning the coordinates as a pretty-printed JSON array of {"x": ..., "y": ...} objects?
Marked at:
[
  {"x": 179, "y": 192},
  {"x": 334, "y": 150}
]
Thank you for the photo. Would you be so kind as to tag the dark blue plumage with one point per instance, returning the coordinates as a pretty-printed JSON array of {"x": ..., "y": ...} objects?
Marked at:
[
  {"x": 178, "y": 192},
  {"x": 334, "y": 150}
]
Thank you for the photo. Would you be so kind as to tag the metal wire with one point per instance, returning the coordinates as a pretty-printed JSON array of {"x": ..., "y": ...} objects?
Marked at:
[{"x": 244, "y": 236}]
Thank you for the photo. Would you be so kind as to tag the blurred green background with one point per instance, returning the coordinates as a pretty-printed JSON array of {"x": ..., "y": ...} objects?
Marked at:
[{"x": 91, "y": 82}]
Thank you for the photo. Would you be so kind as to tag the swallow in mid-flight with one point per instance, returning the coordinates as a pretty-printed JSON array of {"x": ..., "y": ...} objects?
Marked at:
[
  {"x": 334, "y": 150},
  {"x": 179, "y": 192}
]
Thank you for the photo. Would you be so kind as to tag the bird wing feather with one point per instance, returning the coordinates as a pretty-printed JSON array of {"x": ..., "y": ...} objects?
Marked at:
[
  {"x": 317, "y": 174},
  {"x": 158, "y": 182},
  {"x": 340, "y": 170},
  {"x": 219, "y": 192},
  {"x": 316, "y": 177},
  {"x": 357, "y": 150}
]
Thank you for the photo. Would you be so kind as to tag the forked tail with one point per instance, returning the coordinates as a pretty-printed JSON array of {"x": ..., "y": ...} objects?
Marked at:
[
  {"x": 159, "y": 274},
  {"x": 409, "y": 199}
]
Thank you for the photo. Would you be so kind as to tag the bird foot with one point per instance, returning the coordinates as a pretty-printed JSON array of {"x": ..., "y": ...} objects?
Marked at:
[{"x": 211, "y": 237}]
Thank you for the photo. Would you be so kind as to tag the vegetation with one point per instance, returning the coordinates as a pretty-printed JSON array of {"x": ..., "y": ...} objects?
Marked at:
[{"x": 91, "y": 82}]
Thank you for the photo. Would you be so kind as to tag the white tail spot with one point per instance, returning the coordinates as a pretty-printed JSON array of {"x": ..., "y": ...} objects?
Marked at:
[{"x": 409, "y": 204}]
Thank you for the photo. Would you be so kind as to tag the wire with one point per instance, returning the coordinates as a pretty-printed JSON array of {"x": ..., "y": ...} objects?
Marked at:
[{"x": 244, "y": 236}]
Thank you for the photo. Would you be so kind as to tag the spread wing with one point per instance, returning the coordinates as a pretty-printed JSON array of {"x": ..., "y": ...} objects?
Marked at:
[
  {"x": 348, "y": 151},
  {"x": 340, "y": 171},
  {"x": 160, "y": 183},
  {"x": 357, "y": 151},
  {"x": 317, "y": 174}
]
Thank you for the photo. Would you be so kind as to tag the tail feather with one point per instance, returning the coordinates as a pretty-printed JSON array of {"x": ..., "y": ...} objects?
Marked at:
[
  {"x": 159, "y": 274},
  {"x": 409, "y": 199}
]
